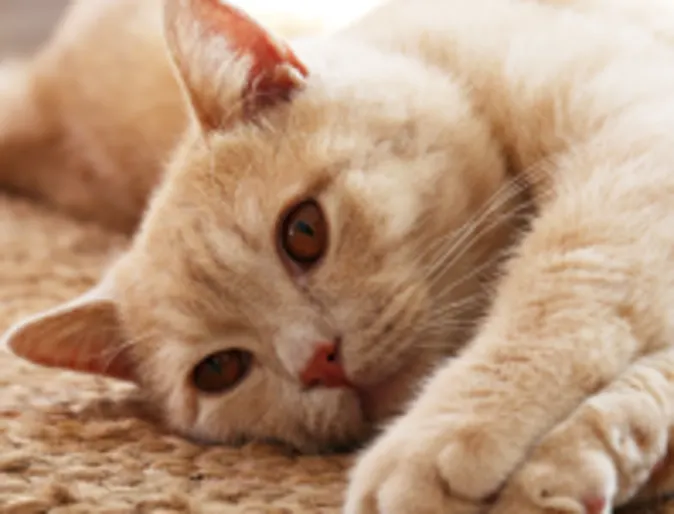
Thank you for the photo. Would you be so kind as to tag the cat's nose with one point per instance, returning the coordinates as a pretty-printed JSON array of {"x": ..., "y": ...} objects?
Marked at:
[{"x": 324, "y": 368}]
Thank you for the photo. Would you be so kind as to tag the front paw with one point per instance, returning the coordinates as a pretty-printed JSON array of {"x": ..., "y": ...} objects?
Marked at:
[
  {"x": 431, "y": 463},
  {"x": 600, "y": 456},
  {"x": 453, "y": 451},
  {"x": 569, "y": 473}
]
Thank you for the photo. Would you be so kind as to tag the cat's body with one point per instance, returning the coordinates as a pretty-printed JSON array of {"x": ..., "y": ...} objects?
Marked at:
[
  {"x": 101, "y": 104},
  {"x": 322, "y": 234}
]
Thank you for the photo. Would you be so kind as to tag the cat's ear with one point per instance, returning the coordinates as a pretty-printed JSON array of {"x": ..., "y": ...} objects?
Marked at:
[
  {"x": 229, "y": 64},
  {"x": 84, "y": 335}
]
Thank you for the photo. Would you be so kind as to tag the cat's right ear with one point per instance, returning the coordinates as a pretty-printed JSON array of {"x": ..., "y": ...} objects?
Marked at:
[
  {"x": 230, "y": 66},
  {"x": 84, "y": 335}
]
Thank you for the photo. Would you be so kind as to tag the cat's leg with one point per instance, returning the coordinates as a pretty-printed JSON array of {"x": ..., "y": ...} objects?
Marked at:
[
  {"x": 27, "y": 136},
  {"x": 601, "y": 455},
  {"x": 588, "y": 294}
]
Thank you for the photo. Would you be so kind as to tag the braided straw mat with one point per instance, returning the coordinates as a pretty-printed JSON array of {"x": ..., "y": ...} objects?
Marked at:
[{"x": 78, "y": 444}]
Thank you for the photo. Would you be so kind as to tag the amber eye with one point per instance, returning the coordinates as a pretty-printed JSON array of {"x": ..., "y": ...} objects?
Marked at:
[
  {"x": 304, "y": 233},
  {"x": 221, "y": 371}
]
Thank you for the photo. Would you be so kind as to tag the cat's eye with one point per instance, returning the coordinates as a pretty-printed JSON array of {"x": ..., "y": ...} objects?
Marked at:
[
  {"x": 303, "y": 233},
  {"x": 221, "y": 371}
]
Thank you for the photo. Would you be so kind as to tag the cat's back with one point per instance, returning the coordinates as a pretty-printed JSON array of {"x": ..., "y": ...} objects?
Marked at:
[{"x": 545, "y": 73}]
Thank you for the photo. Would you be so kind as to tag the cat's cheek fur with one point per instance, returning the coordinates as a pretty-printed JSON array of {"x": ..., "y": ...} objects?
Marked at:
[
  {"x": 392, "y": 176},
  {"x": 264, "y": 406}
]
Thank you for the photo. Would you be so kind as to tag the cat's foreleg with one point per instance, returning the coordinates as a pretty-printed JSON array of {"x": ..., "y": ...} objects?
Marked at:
[
  {"x": 588, "y": 294},
  {"x": 601, "y": 455}
]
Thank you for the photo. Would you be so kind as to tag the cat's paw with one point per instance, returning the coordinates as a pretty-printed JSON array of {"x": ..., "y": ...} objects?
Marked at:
[
  {"x": 430, "y": 463},
  {"x": 595, "y": 460},
  {"x": 563, "y": 476},
  {"x": 453, "y": 450}
]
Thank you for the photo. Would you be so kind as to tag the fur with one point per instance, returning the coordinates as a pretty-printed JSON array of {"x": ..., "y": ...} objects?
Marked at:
[{"x": 426, "y": 131}]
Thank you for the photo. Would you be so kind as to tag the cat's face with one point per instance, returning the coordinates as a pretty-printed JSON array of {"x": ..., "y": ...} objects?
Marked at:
[{"x": 301, "y": 270}]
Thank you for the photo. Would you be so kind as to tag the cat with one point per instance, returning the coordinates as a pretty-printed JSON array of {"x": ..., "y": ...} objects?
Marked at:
[{"x": 453, "y": 211}]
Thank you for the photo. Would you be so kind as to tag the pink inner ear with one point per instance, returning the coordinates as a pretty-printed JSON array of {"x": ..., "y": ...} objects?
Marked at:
[
  {"x": 275, "y": 72},
  {"x": 84, "y": 338},
  {"x": 86, "y": 360}
]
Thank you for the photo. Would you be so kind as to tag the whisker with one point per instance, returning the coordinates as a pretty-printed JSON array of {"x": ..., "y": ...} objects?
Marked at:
[
  {"x": 514, "y": 188},
  {"x": 469, "y": 245},
  {"x": 471, "y": 231},
  {"x": 456, "y": 308},
  {"x": 501, "y": 196},
  {"x": 113, "y": 353}
]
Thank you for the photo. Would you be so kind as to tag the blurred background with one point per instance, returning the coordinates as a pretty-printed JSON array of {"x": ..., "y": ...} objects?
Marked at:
[{"x": 25, "y": 24}]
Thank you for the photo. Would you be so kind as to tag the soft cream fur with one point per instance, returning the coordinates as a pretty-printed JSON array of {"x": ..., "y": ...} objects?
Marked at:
[
  {"x": 425, "y": 130},
  {"x": 88, "y": 123}
]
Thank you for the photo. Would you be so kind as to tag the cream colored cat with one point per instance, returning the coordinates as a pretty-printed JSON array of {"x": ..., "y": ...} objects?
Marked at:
[{"x": 329, "y": 223}]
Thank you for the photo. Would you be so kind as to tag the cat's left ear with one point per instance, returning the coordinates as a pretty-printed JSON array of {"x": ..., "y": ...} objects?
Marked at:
[
  {"x": 229, "y": 64},
  {"x": 84, "y": 335}
]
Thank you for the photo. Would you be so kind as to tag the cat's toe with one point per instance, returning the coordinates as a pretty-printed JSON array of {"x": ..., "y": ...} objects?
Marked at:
[
  {"x": 409, "y": 470},
  {"x": 569, "y": 473},
  {"x": 395, "y": 477},
  {"x": 544, "y": 487},
  {"x": 597, "y": 458}
]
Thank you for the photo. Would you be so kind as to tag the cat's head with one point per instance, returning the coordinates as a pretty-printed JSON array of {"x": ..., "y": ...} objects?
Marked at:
[{"x": 315, "y": 247}]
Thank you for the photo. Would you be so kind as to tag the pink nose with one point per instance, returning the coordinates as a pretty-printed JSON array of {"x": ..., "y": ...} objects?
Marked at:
[{"x": 324, "y": 368}]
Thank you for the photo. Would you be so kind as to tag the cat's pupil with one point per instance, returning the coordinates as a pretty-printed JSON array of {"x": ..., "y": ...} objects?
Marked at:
[
  {"x": 214, "y": 364},
  {"x": 221, "y": 371},
  {"x": 305, "y": 228}
]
